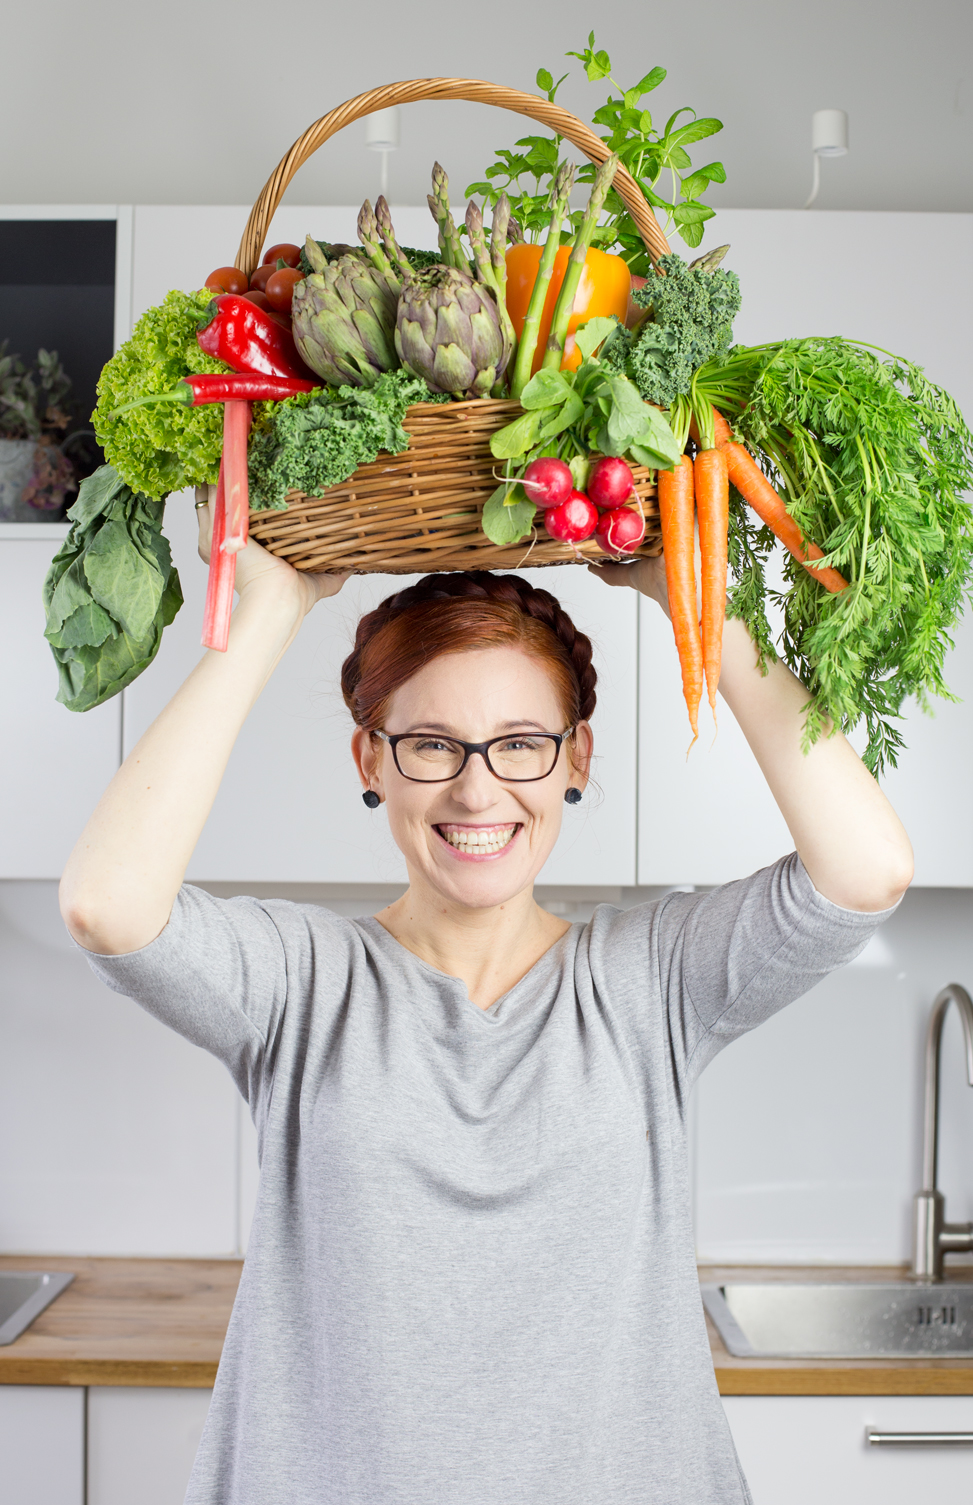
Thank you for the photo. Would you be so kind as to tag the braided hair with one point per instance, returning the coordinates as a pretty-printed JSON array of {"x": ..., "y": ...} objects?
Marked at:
[{"x": 459, "y": 612}]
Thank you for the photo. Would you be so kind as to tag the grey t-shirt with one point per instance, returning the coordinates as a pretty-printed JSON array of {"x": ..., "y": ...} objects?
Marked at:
[{"x": 471, "y": 1277}]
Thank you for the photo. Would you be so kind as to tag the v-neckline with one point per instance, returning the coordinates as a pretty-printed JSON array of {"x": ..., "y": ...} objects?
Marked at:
[{"x": 375, "y": 927}]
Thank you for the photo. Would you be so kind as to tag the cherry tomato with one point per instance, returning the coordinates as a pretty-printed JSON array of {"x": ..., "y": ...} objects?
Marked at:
[
  {"x": 280, "y": 287},
  {"x": 260, "y": 278},
  {"x": 285, "y": 252},
  {"x": 257, "y": 297},
  {"x": 227, "y": 280}
]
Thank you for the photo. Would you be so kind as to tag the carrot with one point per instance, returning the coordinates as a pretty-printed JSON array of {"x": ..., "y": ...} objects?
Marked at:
[
  {"x": 675, "y": 489},
  {"x": 756, "y": 490},
  {"x": 222, "y": 575},
  {"x": 711, "y": 483}
]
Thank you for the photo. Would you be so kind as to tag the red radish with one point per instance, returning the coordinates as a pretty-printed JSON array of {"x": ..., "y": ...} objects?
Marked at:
[
  {"x": 548, "y": 482},
  {"x": 572, "y": 521},
  {"x": 610, "y": 482},
  {"x": 620, "y": 531}
]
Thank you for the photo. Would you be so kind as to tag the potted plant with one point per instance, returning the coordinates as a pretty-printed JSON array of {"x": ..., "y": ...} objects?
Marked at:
[{"x": 35, "y": 418}]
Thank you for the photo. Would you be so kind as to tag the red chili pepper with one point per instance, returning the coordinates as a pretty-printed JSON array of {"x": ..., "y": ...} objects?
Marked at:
[
  {"x": 192, "y": 391},
  {"x": 242, "y": 335}
]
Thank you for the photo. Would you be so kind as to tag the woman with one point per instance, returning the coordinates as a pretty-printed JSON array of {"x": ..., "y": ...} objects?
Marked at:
[{"x": 471, "y": 1275}]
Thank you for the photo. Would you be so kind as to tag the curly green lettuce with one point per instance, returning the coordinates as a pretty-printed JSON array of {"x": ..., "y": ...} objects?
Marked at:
[{"x": 162, "y": 447}]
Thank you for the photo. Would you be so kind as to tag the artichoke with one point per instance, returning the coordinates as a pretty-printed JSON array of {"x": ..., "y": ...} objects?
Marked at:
[
  {"x": 344, "y": 320},
  {"x": 447, "y": 330}
]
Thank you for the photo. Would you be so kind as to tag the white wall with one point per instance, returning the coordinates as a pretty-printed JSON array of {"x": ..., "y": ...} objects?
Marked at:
[{"x": 122, "y": 1139}]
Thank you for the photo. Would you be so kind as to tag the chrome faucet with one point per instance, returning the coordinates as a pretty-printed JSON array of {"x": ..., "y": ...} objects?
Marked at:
[{"x": 932, "y": 1236}]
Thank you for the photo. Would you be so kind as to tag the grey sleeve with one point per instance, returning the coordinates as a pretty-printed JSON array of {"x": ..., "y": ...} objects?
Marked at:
[
  {"x": 731, "y": 958},
  {"x": 216, "y": 974}
]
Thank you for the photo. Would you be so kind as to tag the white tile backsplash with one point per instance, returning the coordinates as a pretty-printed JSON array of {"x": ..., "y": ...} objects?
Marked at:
[{"x": 120, "y": 1138}]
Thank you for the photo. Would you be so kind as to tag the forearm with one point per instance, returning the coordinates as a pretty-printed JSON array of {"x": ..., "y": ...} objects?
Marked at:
[
  {"x": 848, "y": 836},
  {"x": 122, "y": 877}
]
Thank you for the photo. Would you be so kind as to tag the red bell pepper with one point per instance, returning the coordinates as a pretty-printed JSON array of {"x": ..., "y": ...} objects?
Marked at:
[{"x": 247, "y": 339}]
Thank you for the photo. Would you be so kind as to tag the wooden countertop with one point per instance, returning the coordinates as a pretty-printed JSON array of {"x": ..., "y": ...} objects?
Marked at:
[{"x": 162, "y": 1322}]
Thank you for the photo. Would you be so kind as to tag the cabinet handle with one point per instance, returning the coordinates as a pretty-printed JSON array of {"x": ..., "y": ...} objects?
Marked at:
[{"x": 918, "y": 1439}]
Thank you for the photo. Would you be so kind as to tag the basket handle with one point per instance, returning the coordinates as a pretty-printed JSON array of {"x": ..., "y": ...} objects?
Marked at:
[{"x": 560, "y": 120}]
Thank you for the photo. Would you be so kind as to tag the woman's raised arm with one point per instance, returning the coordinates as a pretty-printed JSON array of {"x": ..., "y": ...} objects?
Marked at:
[
  {"x": 121, "y": 879},
  {"x": 848, "y": 836}
]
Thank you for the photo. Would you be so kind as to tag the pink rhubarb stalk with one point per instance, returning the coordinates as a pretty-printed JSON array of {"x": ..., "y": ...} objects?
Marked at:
[
  {"x": 236, "y": 428},
  {"x": 222, "y": 574}
]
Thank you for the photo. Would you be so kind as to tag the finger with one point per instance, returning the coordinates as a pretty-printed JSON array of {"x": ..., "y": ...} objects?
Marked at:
[
  {"x": 204, "y": 518},
  {"x": 612, "y": 574},
  {"x": 327, "y": 584}
]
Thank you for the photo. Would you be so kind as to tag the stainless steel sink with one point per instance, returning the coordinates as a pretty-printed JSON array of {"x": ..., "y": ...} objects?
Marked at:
[
  {"x": 902, "y": 1319},
  {"x": 23, "y": 1296}
]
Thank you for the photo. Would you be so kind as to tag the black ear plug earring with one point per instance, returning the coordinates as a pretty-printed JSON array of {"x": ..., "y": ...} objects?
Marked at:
[
  {"x": 371, "y": 799},
  {"x": 572, "y": 796}
]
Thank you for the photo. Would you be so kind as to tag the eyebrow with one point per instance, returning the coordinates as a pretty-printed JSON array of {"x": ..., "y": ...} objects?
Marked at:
[{"x": 448, "y": 731}]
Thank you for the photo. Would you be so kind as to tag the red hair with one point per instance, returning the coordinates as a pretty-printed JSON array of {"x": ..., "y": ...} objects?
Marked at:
[{"x": 457, "y": 613}]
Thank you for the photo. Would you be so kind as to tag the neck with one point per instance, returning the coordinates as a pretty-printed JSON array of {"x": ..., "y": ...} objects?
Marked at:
[{"x": 488, "y": 949}]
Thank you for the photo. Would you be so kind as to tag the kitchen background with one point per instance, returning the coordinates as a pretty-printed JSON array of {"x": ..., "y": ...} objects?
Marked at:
[{"x": 118, "y": 1137}]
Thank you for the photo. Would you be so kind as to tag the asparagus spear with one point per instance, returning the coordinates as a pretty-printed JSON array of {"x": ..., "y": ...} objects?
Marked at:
[
  {"x": 368, "y": 234},
  {"x": 572, "y": 272},
  {"x": 485, "y": 259},
  {"x": 515, "y": 233},
  {"x": 384, "y": 218},
  {"x": 450, "y": 245},
  {"x": 560, "y": 194}
]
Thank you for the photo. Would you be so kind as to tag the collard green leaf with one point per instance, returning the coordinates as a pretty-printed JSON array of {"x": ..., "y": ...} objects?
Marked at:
[
  {"x": 505, "y": 525},
  {"x": 69, "y": 593},
  {"x": 122, "y": 580},
  {"x": 88, "y": 626}
]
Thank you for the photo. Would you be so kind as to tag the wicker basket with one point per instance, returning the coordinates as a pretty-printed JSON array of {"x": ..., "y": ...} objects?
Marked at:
[{"x": 421, "y": 510}]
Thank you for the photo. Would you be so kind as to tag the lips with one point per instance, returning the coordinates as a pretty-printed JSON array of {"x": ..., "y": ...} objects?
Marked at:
[{"x": 476, "y": 843}]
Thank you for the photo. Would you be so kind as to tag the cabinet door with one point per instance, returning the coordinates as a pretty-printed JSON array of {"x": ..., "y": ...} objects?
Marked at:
[
  {"x": 711, "y": 818},
  {"x": 142, "y": 1443},
  {"x": 290, "y": 808},
  {"x": 800, "y": 1450},
  {"x": 54, "y": 763},
  {"x": 41, "y": 1445}
]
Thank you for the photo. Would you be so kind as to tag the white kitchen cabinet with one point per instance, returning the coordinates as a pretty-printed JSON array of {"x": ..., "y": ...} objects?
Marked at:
[
  {"x": 142, "y": 1443},
  {"x": 800, "y": 1450},
  {"x": 710, "y": 818},
  {"x": 41, "y": 1445},
  {"x": 54, "y": 763}
]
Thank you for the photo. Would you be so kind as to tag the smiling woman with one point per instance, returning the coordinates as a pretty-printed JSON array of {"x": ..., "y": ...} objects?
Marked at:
[{"x": 471, "y": 1275}]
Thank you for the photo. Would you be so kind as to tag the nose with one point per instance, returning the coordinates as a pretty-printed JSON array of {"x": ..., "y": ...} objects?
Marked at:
[{"x": 476, "y": 789}]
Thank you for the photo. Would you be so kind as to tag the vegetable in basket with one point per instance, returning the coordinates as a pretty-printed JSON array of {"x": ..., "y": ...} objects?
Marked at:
[
  {"x": 448, "y": 331},
  {"x": 344, "y": 318}
]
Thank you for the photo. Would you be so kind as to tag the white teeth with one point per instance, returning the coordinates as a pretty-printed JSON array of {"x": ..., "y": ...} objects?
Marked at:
[{"x": 470, "y": 840}]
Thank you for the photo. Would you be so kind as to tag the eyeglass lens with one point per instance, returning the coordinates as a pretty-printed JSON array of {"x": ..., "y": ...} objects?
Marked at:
[{"x": 519, "y": 757}]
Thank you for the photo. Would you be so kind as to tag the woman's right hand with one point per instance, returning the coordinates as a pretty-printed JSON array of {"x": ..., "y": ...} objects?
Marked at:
[{"x": 257, "y": 569}]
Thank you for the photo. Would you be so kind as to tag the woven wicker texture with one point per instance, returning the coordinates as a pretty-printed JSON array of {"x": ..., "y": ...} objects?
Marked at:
[{"x": 422, "y": 510}]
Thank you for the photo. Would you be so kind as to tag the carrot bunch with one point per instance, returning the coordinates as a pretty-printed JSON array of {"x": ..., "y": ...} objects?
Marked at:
[{"x": 696, "y": 493}]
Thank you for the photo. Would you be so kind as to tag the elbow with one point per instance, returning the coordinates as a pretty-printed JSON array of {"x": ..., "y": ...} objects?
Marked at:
[
  {"x": 85, "y": 920},
  {"x": 885, "y": 885}
]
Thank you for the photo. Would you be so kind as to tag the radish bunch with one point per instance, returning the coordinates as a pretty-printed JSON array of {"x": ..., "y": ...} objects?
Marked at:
[{"x": 571, "y": 516}]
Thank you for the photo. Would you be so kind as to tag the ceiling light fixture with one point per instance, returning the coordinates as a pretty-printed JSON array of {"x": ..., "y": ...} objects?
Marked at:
[
  {"x": 829, "y": 138},
  {"x": 382, "y": 135}
]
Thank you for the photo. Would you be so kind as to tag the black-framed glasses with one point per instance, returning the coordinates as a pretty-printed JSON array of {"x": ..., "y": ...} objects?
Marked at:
[{"x": 517, "y": 758}]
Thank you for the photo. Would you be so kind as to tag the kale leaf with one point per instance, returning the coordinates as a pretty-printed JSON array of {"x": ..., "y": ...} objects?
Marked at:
[
  {"x": 109, "y": 592},
  {"x": 691, "y": 312},
  {"x": 318, "y": 439}
]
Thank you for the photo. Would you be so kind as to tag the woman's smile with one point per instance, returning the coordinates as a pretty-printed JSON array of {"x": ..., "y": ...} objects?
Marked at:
[{"x": 472, "y": 843}]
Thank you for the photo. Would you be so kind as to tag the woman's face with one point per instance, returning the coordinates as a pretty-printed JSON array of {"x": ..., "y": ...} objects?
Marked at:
[{"x": 475, "y": 840}]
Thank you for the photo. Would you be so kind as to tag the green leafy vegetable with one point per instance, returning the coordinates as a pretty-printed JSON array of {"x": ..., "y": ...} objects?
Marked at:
[
  {"x": 319, "y": 439},
  {"x": 162, "y": 447},
  {"x": 872, "y": 461},
  {"x": 334, "y": 250},
  {"x": 571, "y": 413},
  {"x": 508, "y": 515},
  {"x": 691, "y": 312},
  {"x": 646, "y": 151},
  {"x": 109, "y": 592}
]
